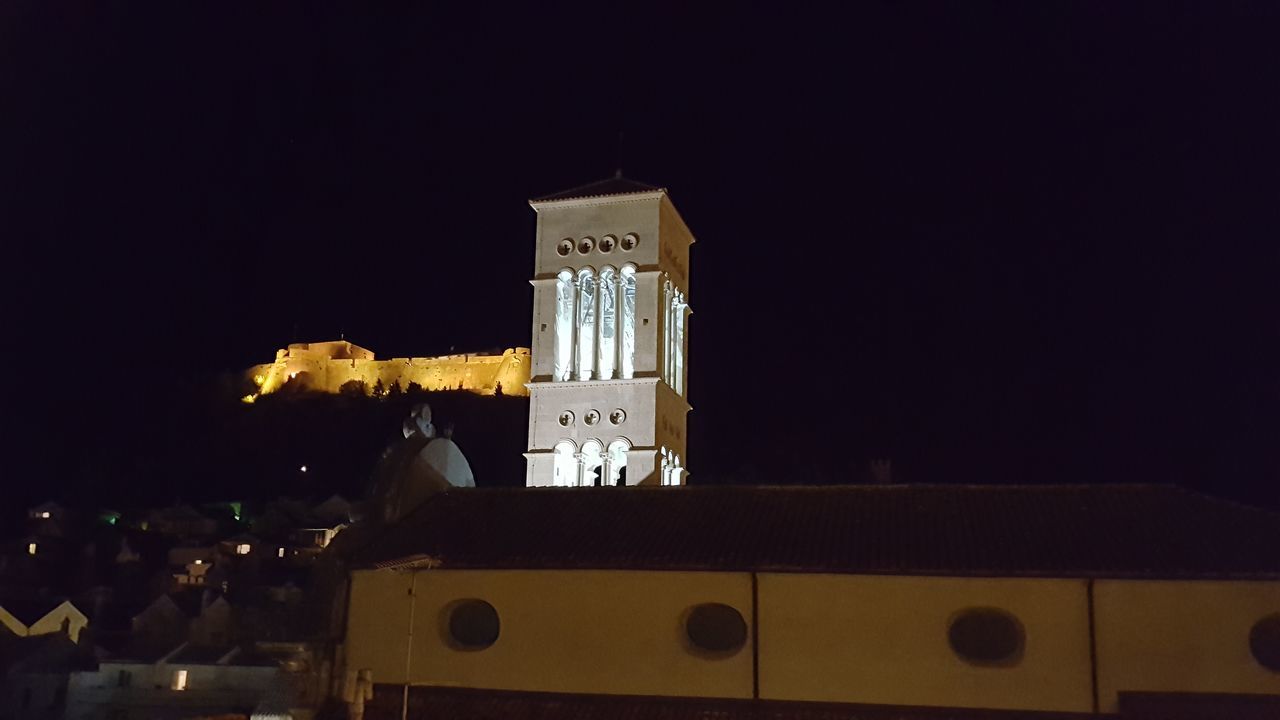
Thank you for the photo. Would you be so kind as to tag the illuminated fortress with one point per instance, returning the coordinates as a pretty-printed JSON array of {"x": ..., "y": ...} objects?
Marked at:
[{"x": 340, "y": 366}]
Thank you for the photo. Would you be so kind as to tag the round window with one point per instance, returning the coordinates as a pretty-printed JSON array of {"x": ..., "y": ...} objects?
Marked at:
[
  {"x": 565, "y": 247},
  {"x": 607, "y": 243},
  {"x": 585, "y": 245},
  {"x": 473, "y": 625},
  {"x": 592, "y": 417},
  {"x": 566, "y": 418},
  {"x": 987, "y": 636},
  {"x": 618, "y": 416},
  {"x": 716, "y": 628},
  {"x": 630, "y": 241},
  {"x": 1264, "y": 642}
]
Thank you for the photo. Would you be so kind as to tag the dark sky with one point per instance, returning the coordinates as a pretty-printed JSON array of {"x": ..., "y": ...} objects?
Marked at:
[{"x": 1015, "y": 243}]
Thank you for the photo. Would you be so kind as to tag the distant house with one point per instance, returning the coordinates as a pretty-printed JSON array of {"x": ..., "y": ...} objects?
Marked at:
[
  {"x": 190, "y": 680},
  {"x": 190, "y": 565},
  {"x": 333, "y": 511},
  {"x": 47, "y": 511},
  {"x": 308, "y": 543},
  {"x": 28, "y": 617},
  {"x": 34, "y": 673},
  {"x": 46, "y": 520},
  {"x": 127, "y": 554},
  {"x": 240, "y": 545},
  {"x": 181, "y": 521},
  {"x": 202, "y": 617}
]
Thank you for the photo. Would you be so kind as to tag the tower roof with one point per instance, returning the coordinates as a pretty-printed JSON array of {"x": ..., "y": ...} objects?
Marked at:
[{"x": 616, "y": 185}]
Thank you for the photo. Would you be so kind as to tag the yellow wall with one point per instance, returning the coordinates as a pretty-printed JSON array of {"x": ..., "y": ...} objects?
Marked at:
[
  {"x": 611, "y": 632},
  {"x": 50, "y": 623},
  {"x": 378, "y": 623},
  {"x": 477, "y": 373},
  {"x": 1180, "y": 636},
  {"x": 880, "y": 639},
  {"x": 836, "y": 638}
]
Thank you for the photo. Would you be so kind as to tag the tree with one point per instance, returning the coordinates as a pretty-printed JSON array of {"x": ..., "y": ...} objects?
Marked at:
[{"x": 354, "y": 387}]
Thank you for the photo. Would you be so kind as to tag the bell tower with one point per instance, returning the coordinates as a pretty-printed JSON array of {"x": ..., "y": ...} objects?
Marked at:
[{"x": 610, "y": 342}]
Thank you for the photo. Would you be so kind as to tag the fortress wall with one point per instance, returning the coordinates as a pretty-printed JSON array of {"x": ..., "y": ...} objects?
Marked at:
[{"x": 477, "y": 373}]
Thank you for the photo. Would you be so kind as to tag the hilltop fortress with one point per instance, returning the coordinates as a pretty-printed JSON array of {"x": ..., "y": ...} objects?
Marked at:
[{"x": 340, "y": 366}]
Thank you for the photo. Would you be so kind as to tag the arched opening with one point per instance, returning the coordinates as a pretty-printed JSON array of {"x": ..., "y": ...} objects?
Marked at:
[
  {"x": 592, "y": 463},
  {"x": 564, "y": 327},
  {"x": 586, "y": 322},
  {"x": 608, "y": 322},
  {"x": 627, "y": 351},
  {"x": 668, "y": 331},
  {"x": 616, "y": 462},
  {"x": 677, "y": 344},
  {"x": 565, "y": 473}
]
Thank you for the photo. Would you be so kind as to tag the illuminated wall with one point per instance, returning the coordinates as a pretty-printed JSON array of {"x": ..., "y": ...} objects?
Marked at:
[
  {"x": 883, "y": 640},
  {"x": 837, "y": 638},
  {"x": 1181, "y": 636},
  {"x": 641, "y": 235},
  {"x": 326, "y": 367},
  {"x": 613, "y": 632}
]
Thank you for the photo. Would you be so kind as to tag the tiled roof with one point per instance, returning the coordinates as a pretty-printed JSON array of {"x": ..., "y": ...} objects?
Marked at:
[
  {"x": 464, "y": 704},
  {"x": 616, "y": 185},
  {"x": 1055, "y": 531}
]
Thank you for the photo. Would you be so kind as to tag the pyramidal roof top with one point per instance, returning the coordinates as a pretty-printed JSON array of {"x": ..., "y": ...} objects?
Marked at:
[{"x": 616, "y": 185}]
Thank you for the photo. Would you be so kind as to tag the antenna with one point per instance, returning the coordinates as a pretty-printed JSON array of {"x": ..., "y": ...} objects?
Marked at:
[{"x": 617, "y": 173}]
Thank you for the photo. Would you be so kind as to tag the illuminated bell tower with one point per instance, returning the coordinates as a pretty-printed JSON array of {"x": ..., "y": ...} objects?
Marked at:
[{"x": 610, "y": 342}]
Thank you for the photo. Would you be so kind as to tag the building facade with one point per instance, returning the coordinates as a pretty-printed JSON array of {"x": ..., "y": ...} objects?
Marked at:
[
  {"x": 610, "y": 316},
  {"x": 884, "y": 602},
  {"x": 340, "y": 366}
]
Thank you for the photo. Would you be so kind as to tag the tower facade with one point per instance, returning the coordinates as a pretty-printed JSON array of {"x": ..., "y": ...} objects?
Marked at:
[{"x": 610, "y": 338}]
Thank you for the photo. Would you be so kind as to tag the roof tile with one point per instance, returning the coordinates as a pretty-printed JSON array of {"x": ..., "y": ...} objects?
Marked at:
[{"x": 1057, "y": 531}]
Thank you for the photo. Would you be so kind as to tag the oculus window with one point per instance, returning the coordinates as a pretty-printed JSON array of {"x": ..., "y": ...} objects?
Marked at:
[
  {"x": 472, "y": 625},
  {"x": 986, "y": 636},
  {"x": 715, "y": 628},
  {"x": 1264, "y": 642}
]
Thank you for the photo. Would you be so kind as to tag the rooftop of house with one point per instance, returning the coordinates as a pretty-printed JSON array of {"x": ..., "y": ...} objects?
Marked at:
[
  {"x": 1148, "y": 531},
  {"x": 30, "y": 607}
]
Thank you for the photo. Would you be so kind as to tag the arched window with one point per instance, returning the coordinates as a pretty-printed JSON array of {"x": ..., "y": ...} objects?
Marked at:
[
  {"x": 608, "y": 322},
  {"x": 677, "y": 345},
  {"x": 586, "y": 322},
  {"x": 566, "y": 466},
  {"x": 564, "y": 327},
  {"x": 627, "y": 360},
  {"x": 616, "y": 462},
  {"x": 592, "y": 463},
  {"x": 665, "y": 467},
  {"x": 667, "y": 330},
  {"x": 676, "y": 474}
]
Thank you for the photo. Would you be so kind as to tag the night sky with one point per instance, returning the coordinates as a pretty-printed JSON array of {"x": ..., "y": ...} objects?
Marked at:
[{"x": 1010, "y": 243}]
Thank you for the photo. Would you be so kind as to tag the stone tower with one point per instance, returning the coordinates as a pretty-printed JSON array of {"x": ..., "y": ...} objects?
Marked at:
[{"x": 610, "y": 317}]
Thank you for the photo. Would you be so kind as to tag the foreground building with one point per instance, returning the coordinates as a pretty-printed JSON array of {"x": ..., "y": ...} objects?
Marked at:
[{"x": 877, "y": 602}]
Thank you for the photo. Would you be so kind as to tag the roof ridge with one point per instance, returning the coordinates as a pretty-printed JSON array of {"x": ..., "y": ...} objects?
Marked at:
[{"x": 617, "y": 181}]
